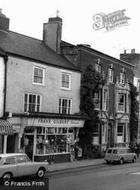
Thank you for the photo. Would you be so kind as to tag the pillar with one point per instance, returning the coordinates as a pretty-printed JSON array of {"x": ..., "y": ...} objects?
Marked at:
[{"x": 5, "y": 144}]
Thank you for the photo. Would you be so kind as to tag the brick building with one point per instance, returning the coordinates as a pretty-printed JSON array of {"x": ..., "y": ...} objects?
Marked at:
[{"x": 114, "y": 98}]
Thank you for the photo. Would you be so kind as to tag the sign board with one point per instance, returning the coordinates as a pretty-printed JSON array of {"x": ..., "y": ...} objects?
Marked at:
[{"x": 55, "y": 122}]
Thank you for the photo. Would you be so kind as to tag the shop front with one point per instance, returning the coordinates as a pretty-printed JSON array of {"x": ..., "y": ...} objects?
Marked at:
[{"x": 51, "y": 139}]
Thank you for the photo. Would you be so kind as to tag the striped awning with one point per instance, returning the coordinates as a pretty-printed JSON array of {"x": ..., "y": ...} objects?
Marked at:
[{"x": 5, "y": 127}]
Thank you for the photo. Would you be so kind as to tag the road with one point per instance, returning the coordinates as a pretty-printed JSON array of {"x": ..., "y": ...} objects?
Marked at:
[{"x": 104, "y": 177}]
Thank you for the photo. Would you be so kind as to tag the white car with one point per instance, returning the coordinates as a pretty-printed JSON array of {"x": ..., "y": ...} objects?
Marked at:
[
  {"x": 121, "y": 155},
  {"x": 18, "y": 164}
]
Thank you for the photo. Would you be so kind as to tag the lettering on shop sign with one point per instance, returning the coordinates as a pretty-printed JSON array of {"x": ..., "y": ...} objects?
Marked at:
[
  {"x": 59, "y": 121},
  {"x": 53, "y": 121}
]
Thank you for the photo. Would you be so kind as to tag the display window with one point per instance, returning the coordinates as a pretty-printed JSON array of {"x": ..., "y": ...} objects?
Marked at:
[{"x": 50, "y": 140}]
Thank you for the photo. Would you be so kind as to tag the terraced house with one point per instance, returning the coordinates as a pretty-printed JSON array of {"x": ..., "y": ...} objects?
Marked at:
[{"x": 39, "y": 95}]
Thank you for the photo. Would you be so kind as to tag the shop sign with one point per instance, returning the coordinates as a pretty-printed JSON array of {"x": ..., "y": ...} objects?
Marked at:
[{"x": 50, "y": 122}]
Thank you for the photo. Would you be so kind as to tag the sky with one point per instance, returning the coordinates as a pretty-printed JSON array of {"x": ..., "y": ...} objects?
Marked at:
[{"x": 27, "y": 17}]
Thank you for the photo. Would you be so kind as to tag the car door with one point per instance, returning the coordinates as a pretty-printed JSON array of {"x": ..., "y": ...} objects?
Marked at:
[
  {"x": 24, "y": 166},
  {"x": 130, "y": 155}
]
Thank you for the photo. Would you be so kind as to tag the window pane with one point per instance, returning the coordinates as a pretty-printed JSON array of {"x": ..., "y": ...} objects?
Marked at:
[
  {"x": 32, "y": 103},
  {"x": 38, "y": 75},
  {"x": 65, "y": 80}
]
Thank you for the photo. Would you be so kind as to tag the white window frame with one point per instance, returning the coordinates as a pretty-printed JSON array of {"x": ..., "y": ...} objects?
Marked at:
[
  {"x": 122, "y": 108},
  {"x": 43, "y": 77},
  {"x": 97, "y": 97},
  {"x": 110, "y": 75},
  {"x": 69, "y": 80},
  {"x": 68, "y": 108},
  {"x": 120, "y": 135},
  {"x": 98, "y": 67},
  {"x": 122, "y": 78},
  {"x": 28, "y": 104}
]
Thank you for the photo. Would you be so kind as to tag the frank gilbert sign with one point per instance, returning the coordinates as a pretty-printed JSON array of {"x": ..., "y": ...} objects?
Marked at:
[{"x": 55, "y": 122}]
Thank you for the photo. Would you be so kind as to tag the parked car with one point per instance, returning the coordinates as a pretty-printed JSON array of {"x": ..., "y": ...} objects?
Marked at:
[
  {"x": 120, "y": 155},
  {"x": 18, "y": 164}
]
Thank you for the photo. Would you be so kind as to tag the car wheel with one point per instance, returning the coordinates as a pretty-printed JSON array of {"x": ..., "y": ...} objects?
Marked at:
[
  {"x": 41, "y": 172},
  {"x": 121, "y": 161},
  {"x": 6, "y": 177},
  {"x": 134, "y": 160}
]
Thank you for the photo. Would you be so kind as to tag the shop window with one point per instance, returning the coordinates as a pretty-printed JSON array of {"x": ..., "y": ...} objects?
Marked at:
[
  {"x": 54, "y": 140},
  {"x": 32, "y": 102},
  {"x": 66, "y": 81},
  {"x": 38, "y": 77},
  {"x": 65, "y": 106}
]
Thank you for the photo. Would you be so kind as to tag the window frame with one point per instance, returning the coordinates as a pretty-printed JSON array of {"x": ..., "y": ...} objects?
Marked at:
[
  {"x": 69, "y": 74},
  {"x": 122, "y": 78},
  {"x": 110, "y": 75},
  {"x": 68, "y": 108},
  {"x": 105, "y": 99},
  {"x": 27, "y": 104},
  {"x": 97, "y": 100},
  {"x": 124, "y": 105},
  {"x": 43, "y": 77}
]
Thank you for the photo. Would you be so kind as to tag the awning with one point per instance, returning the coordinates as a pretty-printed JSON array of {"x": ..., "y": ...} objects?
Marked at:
[{"x": 5, "y": 127}]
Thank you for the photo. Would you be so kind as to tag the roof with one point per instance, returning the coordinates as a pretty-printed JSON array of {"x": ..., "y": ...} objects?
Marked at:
[
  {"x": 88, "y": 48},
  {"x": 34, "y": 49}
]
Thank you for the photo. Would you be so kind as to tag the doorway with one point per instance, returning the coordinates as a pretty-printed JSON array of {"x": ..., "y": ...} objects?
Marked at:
[{"x": 11, "y": 143}]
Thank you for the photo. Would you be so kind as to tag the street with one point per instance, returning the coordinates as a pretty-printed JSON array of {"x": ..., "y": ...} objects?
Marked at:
[{"x": 104, "y": 177}]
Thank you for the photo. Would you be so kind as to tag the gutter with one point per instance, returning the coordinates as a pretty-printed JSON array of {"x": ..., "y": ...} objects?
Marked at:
[{"x": 5, "y": 85}]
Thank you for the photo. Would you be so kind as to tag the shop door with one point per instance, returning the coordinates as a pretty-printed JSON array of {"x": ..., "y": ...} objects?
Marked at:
[
  {"x": 11, "y": 143},
  {"x": 29, "y": 145}
]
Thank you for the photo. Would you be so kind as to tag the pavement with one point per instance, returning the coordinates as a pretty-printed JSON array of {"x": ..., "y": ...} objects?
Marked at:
[{"x": 75, "y": 164}]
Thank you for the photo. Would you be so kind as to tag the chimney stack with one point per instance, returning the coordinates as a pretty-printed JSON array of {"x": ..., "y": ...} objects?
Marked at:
[
  {"x": 4, "y": 22},
  {"x": 133, "y": 51},
  {"x": 52, "y": 32}
]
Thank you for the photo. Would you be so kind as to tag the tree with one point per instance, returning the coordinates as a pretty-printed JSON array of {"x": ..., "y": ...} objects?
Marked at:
[
  {"x": 134, "y": 110},
  {"x": 92, "y": 81}
]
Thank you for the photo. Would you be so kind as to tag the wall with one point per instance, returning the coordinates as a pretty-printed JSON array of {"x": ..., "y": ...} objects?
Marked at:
[
  {"x": 20, "y": 76},
  {"x": 2, "y": 73}
]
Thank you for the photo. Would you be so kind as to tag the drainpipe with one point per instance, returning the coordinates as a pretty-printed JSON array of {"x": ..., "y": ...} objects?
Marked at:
[{"x": 5, "y": 85}]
